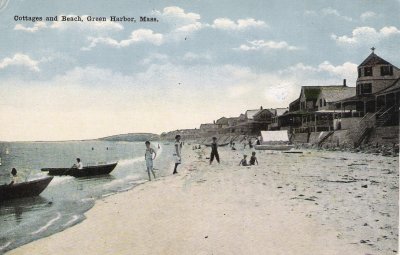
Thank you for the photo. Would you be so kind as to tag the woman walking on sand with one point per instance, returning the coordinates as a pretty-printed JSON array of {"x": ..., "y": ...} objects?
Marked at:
[
  {"x": 177, "y": 153},
  {"x": 148, "y": 156}
]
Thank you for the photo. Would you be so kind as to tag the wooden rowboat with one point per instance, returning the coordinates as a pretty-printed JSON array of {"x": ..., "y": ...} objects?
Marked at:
[
  {"x": 274, "y": 147},
  {"x": 219, "y": 145},
  {"x": 24, "y": 189},
  {"x": 86, "y": 171}
]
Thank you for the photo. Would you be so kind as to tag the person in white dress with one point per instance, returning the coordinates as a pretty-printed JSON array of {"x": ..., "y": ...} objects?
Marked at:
[
  {"x": 148, "y": 156},
  {"x": 177, "y": 154}
]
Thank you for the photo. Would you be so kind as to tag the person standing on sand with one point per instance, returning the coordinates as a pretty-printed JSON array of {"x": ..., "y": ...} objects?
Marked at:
[
  {"x": 244, "y": 142},
  {"x": 214, "y": 150},
  {"x": 148, "y": 156},
  {"x": 177, "y": 154}
]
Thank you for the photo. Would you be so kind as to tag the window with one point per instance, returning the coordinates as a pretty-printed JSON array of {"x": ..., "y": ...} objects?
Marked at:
[
  {"x": 358, "y": 89},
  {"x": 359, "y": 72},
  {"x": 368, "y": 71},
  {"x": 320, "y": 102},
  {"x": 366, "y": 88},
  {"x": 324, "y": 102},
  {"x": 386, "y": 70}
]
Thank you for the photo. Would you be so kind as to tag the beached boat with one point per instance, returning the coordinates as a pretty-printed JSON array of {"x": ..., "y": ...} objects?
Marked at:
[
  {"x": 24, "y": 189},
  {"x": 219, "y": 145},
  {"x": 86, "y": 171},
  {"x": 274, "y": 140},
  {"x": 276, "y": 147}
]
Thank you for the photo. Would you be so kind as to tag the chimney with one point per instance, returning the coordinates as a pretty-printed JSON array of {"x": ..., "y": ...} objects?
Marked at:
[
  {"x": 344, "y": 83},
  {"x": 261, "y": 108}
]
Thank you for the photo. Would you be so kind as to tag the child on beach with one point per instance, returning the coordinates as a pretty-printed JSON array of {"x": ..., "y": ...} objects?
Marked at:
[
  {"x": 148, "y": 156},
  {"x": 243, "y": 162},
  {"x": 177, "y": 154},
  {"x": 253, "y": 159},
  {"x": 214, "y": 150}
]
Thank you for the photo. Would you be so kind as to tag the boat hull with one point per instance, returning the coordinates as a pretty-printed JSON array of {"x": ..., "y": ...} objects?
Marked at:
[
  {"x": 86, "y": 171},
  {"x": 219, "y": 145},
  {"x": 274, "y": 147},
  {"x": 24, "y": 189}
]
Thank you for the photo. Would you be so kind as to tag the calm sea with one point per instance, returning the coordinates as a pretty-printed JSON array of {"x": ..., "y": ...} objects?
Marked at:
[{"x": 66, "y": 199}]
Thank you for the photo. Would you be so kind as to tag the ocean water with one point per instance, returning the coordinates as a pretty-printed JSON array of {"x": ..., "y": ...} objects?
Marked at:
[{"x": 65, "y": 200}]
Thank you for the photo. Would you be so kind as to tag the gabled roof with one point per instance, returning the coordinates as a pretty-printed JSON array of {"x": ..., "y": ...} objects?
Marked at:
[
  {"x": 250, "y": 113},
  {"x": 278, "y": 111},
  {"x": 374, "y": 59},
  {"x": 281, "y": 111},
  {"x": 263, "y": 111},
  {"x": 337, "y": 93},
  {"x": 312, "y": 92}
]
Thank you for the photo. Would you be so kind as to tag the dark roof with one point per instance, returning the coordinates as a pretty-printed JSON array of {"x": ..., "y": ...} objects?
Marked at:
[
  {"x": 358, "y": 98},
  {"x": 333, "y": 94},
  {"x": 262, "y": 111},
  {"x": 392, "y": 88},
  {"x": 299, "y": 112},
  {"x": 374, "y": 59},
  {"x": 312, "y": 92}
]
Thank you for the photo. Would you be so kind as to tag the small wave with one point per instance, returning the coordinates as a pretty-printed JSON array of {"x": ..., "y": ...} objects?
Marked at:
[
  {"x": 120, "y": 181},
  {"x": 108, "y": 194},
  {"x": 125, "y": 162},
  {"x": 126, "y": 189},
  {"x": 60, "y": 179},
  {"x": 87, "y": 199},
  {"x": 5, "y": 246},
  {"x": 138, "y": 182},
  {"x": 74, "y": 218},
  {"x": 47, "y": 225}
]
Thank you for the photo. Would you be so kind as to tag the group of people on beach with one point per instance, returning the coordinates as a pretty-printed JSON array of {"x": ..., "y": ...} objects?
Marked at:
[{"x": 150, "y": 155}]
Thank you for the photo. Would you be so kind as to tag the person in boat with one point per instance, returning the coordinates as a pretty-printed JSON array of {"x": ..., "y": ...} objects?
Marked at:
[
  {"x": 177, "y": 154},
  {"x": 253, "y": 159},
  {"x": 15, "y": 177},
  {"x": 148, "y": 156},
  {"x": 78, "y": 164},
  {"x": 243, "y": 162},
  {"x": 214, "y": 150}
]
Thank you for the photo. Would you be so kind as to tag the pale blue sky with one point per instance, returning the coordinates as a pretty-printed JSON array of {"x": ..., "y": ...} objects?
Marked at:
[{"x": 202, "y": 60}]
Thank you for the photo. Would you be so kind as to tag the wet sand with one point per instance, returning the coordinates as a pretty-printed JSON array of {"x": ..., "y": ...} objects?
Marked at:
[{"x": 310, "y": 203}]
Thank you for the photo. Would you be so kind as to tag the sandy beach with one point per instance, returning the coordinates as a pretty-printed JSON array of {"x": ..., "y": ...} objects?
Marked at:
[{"x": 309, "y": 203}]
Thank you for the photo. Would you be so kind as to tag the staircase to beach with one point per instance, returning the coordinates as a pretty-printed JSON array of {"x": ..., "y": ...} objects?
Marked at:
[
  {"x": 385, "y": 117},
  {"x": 364, "y": 128},
  {"x": 323, "y": 139}
]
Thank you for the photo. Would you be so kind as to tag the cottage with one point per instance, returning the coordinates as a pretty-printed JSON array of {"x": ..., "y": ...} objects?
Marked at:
[
  {"x": 329, "y": 95},
  {"x": 374, "y": 75}
]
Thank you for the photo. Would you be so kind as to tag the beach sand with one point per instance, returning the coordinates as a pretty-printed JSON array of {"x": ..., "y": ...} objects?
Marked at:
[{"x": 274, "y": 208}]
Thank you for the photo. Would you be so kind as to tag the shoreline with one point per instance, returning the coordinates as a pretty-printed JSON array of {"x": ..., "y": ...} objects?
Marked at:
[{"x": 186, "y": 203}]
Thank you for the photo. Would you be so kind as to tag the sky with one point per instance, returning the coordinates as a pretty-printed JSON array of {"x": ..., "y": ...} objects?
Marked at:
[{"x": 200, "y": 60}]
